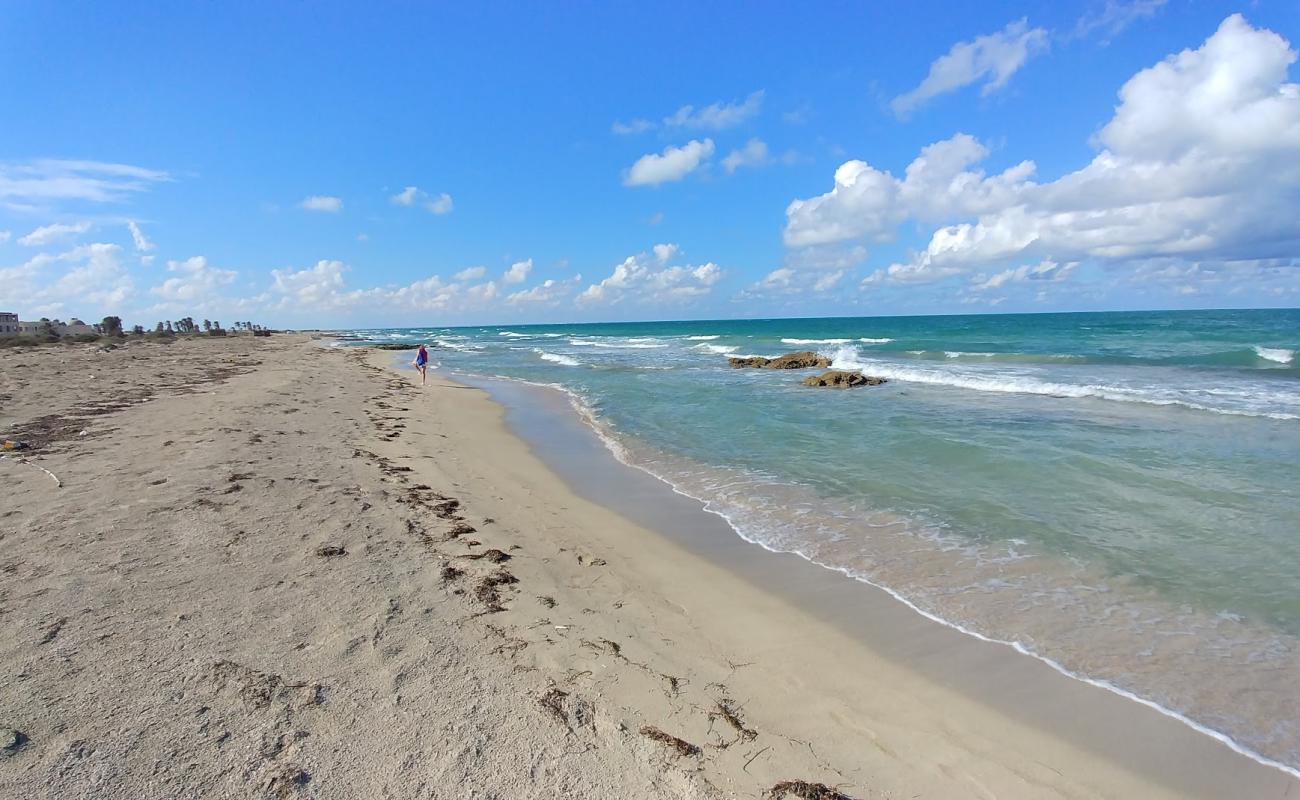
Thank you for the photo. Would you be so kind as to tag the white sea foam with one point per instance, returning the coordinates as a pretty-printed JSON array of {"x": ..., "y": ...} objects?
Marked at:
[
  {"x": 704, "y": 338},
  {"x": 556, "y": 358},
  {"x": 451, "y": 344},
  {"x": 816, "y": 341},
  {"x": 869, "y": 340},
  {"x": 1278, "y": 354},
  {"x": 513, "y": 335},
  {"x": 849, "y": 358},
  {"x": 629, "y": 345},
  {"x": 717, "y": 348}
]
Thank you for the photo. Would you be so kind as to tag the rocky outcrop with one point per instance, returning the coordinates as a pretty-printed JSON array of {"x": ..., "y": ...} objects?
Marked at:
[
  {"x": 801, "y": 360},
  {"x": 842, "y": 379}
]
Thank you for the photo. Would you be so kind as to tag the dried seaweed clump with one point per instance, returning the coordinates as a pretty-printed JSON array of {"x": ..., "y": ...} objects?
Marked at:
[
  {"x": 728, "y": 711},
  {"x": 553, "y": 701},
  {"x": 494, "y": 555},
  {"x": 805, "y": 791},
  {"x": 683, "y": 747},
  {"x": 486, "y": 589}
]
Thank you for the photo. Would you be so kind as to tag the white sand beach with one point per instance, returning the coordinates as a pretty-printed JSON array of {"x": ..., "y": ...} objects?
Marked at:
[{"x": 267, "y": 568}]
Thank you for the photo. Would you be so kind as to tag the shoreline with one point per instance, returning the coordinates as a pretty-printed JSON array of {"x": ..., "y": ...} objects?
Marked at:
[
  {"x": 309, "y": 576},
  {"x": 504, "y": 391},
  {"x": 616, "y": 450}
]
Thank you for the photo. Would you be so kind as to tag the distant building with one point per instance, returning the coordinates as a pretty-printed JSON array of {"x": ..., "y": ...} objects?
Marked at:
[
  {"x": 75, "y": 327},
  {"x": 10, "y": 325}
]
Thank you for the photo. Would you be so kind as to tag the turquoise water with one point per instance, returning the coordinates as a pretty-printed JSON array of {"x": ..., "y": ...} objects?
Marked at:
[{"x": 1118, "y": 493}]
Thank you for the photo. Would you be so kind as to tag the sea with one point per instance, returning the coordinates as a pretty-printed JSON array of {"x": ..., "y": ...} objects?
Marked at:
[{"x": 1117, "y": 494}]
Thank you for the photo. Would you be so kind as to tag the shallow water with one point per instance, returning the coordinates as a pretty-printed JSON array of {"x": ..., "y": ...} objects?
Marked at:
[{"x": 1118, "y": 493}]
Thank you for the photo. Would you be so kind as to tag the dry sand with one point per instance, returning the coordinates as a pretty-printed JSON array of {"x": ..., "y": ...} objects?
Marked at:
[{"x": 275, "y": 569}]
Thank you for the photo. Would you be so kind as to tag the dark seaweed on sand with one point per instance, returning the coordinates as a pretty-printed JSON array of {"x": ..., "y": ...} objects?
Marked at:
[{"x": 805, "y": 791}]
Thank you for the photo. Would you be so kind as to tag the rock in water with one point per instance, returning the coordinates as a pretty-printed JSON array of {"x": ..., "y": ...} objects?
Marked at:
[
  {"x": 801, "y": 360},
  {"x": 842, "y": 379}
]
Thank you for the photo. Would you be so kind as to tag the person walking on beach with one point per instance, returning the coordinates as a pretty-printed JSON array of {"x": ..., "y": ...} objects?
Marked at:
[{"x": 422, "y": 363}]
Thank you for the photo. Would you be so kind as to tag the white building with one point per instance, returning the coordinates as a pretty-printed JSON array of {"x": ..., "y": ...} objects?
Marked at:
[
  {"x": 8, "y": 324},
  {"x": 27, "y": 328},
  {"x": 76, "y": 326}
]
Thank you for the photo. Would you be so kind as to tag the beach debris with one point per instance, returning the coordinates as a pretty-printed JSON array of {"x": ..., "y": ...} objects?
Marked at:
[
  {"x": 51, "y": 630},
  {"x": 486, "y": 589},
  {"x": 459, "y": 529},
  {"x": 9, "y": 444},
  {"x": 573, "y": 711},
  {"x": 553, "y": 701},
  {"x": 450, "y": 573},
  {"x": 286, "y": 781},
  {"x": 805, "y": 791},
  {"x": 800, "y": 360},
  {"x": 57, "y": 482},
  {"x": 683, "y": 747},
  {"x": 842, "y": 379},
  {"x": 494, "y": 555},
  {"x": 331, "y": 550},
  {"x": 446, "y": 508},
  {"x": 258, "y": 690},
  {"x": 11, "y": 741},
  {"x": 547, "y": 601},
  {"x": 727, "y": 709}
]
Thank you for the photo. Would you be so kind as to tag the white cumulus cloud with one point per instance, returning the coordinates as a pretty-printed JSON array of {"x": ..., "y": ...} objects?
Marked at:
[
  {"x": 518, "y": 271},
  {"x": 633, "y": 127},
  {"x": 673, "y": 164},
  {"x": 717, "y": 116},
  {"x": 992, "y": 58},
  {"x": 442, "y": 204},
  {"x": 547, "y": 293},
  {"x": 321, "y": 202},
  {"x": 1046, "y": 270},
  {"x": 1201, "y": 161},
  {"x": 46, "y": 234},
  {"x": 195, "y": 283},
  {"x": 666, "y": 252},
  {"x": 91, "y": 276},
  {"x": 646, "y": 279},
  {"x": 471, "y": 273},
  {"x": 753, "y": 154},
  {"x": 406, "y": 197}
]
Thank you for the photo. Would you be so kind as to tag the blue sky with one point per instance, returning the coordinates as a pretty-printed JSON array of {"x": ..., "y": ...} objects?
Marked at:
[{"x": 331, "y": 166}]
